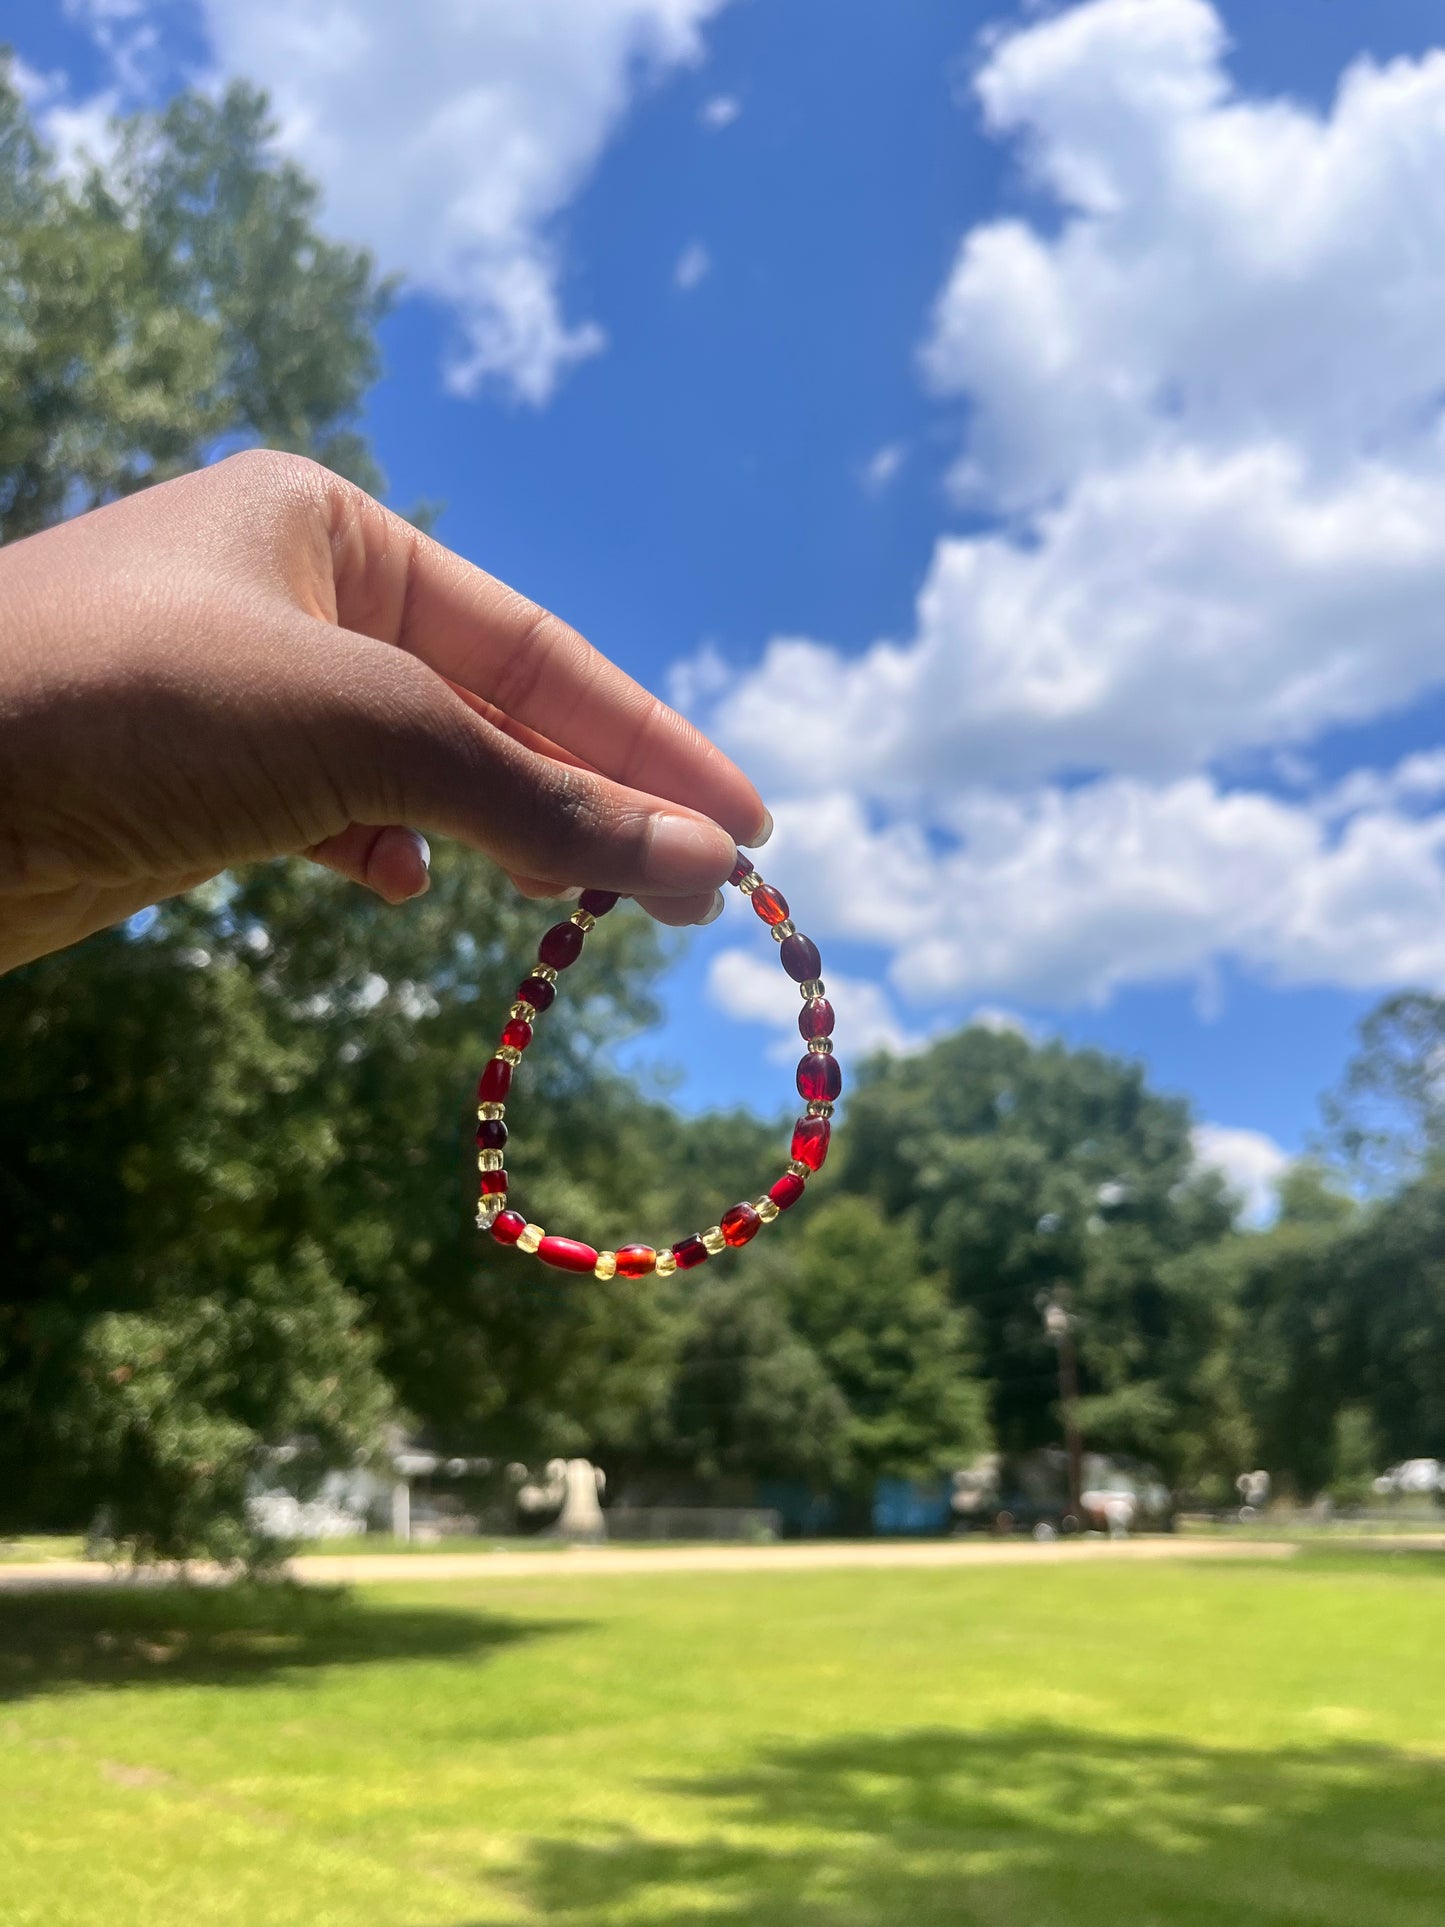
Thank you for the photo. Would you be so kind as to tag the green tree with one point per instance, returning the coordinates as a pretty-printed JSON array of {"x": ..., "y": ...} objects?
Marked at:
[{"x": 1386, "y": 1118}]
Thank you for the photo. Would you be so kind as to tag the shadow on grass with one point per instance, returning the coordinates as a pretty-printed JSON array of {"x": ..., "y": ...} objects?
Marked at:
[
  {"x": 227, "y": 1635},
  {"x": 1036, "y": 1826}
]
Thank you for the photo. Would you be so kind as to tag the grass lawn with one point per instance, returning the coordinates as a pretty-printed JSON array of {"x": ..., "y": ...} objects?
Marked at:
[{"x": 1101, "y": 1746}]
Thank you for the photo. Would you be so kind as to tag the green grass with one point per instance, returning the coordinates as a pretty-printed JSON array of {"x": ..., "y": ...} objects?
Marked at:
[{"x": 1101, "y": 1746}]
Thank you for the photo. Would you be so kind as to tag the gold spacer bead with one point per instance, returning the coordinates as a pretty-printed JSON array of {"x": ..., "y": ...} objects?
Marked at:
[
  {"x": 781, "y": 931},
  {"x": 606, "y": 1265},
  {"x": 799, "y": 1169},
  {"x": 490, "y": 1110},
  {"x": 765, "y": 1208},
  {"x": 546, "y": 972},
  {"x": 532, "y": 1236},
  {"x": 584, "y": 920},
  {"x": 489, "y": 1160},
  {"x": 524, "y": 1010},
  {"x": 509, "y": 1054},
  {"x": 812, "y": 988},
  {"x": 750, "y": 883},
  {"x": 821, "y": 1046},
  {"x": 714, "y": 1239},
  {"x": 666, "y": 1264},
  {"x": 820, "y": 1107}
]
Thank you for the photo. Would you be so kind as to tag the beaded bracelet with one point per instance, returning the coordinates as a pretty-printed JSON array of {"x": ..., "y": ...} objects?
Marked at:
[{"x": 819, "y": 1081}]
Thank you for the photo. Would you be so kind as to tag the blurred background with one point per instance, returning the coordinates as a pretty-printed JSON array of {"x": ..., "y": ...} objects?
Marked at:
[{"x": 1016, "y": 437}]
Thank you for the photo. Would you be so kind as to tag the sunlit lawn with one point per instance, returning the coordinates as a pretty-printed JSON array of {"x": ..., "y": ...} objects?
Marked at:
[{"x": 1021, "y": 1747}]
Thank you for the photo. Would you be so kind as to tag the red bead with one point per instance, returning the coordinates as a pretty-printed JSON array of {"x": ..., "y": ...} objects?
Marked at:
[
  {"x": 597, "y": 902},
  {"x": 743, "y": 867},
  {"x": 635, "y": 1261},
  {"x": 518, "y": 1033},
  {"x": 692, "y": 1251},
  {"x": 537, "y": 992},
  {"x": 770, "y": 904},
  {"x": 787, "y": 1190},
  {"x": 566, "y": 1254},
  {"x": 800, "y": 957},
  {"x": 508, "y": 1226},
  {"x": 491, "y": 1134},
  {"x": 740, "y": 1224},
  {"x": 820, "y": 1078},
  {"x": 562, "y": 945},
  {"x": 810, "y": 1141},
  {"x": 496, "y": 1081},
  {"x": 815, "y": 1019},
  {"x": 494, "y": 1184}
]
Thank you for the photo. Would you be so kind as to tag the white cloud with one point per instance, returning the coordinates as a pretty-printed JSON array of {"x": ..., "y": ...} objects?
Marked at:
[
  {"x": 882, "y": 466},
  {"x": 1251, "y": 1161},
  {"x": 720, "y": 112},
  {"x": 751, "y": 988},
  {"x": 694, "y": 265},
  {"x": 450, "y": 138}
]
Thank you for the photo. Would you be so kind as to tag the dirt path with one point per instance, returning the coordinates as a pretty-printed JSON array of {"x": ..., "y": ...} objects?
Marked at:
[{"x": 586, "y": 1561}]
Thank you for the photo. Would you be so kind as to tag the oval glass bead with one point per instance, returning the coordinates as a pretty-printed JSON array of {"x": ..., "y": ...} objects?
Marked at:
[
  {"x": 508, "y": 1227},
  {"x": 493, "y": 1184},
  {"x": 740, "y": 1224},
  {"x": 800, "y": 957},
  {"x": 787, "y": 1191},
  {"x": 770, "y": 904},
  {"x": 597, "y": 902},
  {"x": 562, "y": 945},
  {"x": 815, "y": 1019},
  {"x": 518, "y": 1033},
  {"x": 810, "y": 1141},
  {"x": 491, "y": 1134},
  {"x": 496, "y": 1081},
  {"x": 566, "y": 1254},
  {"x": 819, "y": 1078},
  {"x": 537, "y": 992},
  {"x": 635, "y": 1261},
  {"x": 690, "y": 1252}
]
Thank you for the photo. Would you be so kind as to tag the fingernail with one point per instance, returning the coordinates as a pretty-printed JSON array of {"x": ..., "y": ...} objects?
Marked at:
[
  {"x": 685, "y": 853},
  {"x": 423, "y": 849},
  {"x": 715, "y": 909},
  {"x": 765, "y": 832}
]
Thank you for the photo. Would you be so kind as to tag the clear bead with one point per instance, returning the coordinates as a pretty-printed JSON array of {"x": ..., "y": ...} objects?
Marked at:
[
  {"x": 583, "y": 919},
  {"x": 814, "y": 987},
  {"x": 749, "y": 883},
  {"x": 606, "y": 1265},
  {"x": 491, "y": 1110},
  {"x": 666, "y": 1264},
  {"x": 714, "y": 1239},
  {"x": 488, "y": 1211},
  {"x": 546, "y": 972},
  {"x": 821, "y": 1046},
  {"x": 799, "y": 1169},
  {"x": 531, "y": 1238},
  {"x": 491, "y": 1160},
  {"x": 509, "y": 1054},
  {"x": 820, "y": 1107},
  {"x": 765, "y": 1208},
  {"x": 523, "y": 1010},
  {"x": 787, "y": 928}
]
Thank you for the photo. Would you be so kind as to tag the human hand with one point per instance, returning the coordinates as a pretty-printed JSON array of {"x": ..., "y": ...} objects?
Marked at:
[{"x": 259, "y": 660}]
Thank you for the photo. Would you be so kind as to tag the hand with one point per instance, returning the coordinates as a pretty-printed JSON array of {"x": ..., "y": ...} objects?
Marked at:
[{"x": 260, "y": 660}]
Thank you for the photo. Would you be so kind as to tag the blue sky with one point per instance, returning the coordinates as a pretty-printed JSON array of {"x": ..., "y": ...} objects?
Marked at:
[{"x": 1111, "y": 330}]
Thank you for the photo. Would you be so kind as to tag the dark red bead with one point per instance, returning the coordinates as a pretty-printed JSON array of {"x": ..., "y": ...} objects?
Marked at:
[
  {"x": 508, "y": 1226},
  {"x": 537, "y": 992},
  {"x": 496, "y": 1081},
  {"x": 770, "y": 904},
  {"x": 566, "y": 1254},
  {"x": 820, "y": 1078},
  {"x": 494, "y": 1183},
  {"x": 562, "y": 945},
  {"x": 815, "y": 1019},
  {"x": 635, "y": 1261},
  {"x": 740, "y": 1224},
  {"x": 597, "y": 902},
  {"x": 742, "y": 868},
  {"x": 692, "y": 1251},
  {"x": 810, "y": 1141},
  {"x": 518, "y": 1033},
  {"x": 491, "y": 1134},
  {"x": 800, "y": 957},
  {"x": 787, "y": 1190}
]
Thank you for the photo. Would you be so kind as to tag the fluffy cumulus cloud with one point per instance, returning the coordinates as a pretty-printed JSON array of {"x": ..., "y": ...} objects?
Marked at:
[
  {"x": 1204, "y": 424},
  {"x": 1251, "y": 1161}
]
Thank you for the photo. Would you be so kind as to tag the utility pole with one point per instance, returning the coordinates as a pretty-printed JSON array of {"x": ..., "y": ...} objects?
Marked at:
[{"x": 1059, "y": 1325}]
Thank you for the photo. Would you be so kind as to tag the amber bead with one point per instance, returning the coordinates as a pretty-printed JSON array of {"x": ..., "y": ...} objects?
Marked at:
[
  {"x": 537, "y": 992},
  {"x": 800, "y": 957},
  {"x": 635, "y": 1261},
  {"x": 491, "y": 1134},
  {"x": 690, "y": 1252},
  {"x": 517, "y": 1034},
  {"x": 597, "y": 902},
  {"x": 562, "y": 945},
  {"x": 787, "y": 1190},
  {"x": 770, "y": 904},
  {"x": 508, "y": 1227},
  {"x": 815, "y": 1019},
  {"x": 567, "y": 1254},
  {"x": 819, "y": 1078},
  {"x": 496, "y": 1081},
  {"x": 493, "y": 1183},
  {"x": 740, "y": 1224},
  {"x": 740, "y": 869},
  {"x": 810, "y": 1141}
]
